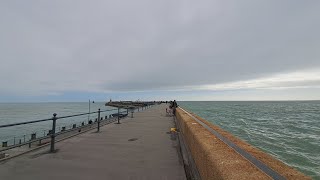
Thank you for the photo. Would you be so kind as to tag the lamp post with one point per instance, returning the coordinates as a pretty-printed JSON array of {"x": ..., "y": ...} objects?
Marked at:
[{"x": 89, "y": 109}]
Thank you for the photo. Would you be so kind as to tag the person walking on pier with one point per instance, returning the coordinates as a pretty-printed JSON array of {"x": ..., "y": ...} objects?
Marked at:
[{"x": 174, "y": 106}]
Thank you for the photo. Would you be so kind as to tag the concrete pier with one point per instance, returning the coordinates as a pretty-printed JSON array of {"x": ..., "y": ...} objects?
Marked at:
[{"x": 138, "y": 148}]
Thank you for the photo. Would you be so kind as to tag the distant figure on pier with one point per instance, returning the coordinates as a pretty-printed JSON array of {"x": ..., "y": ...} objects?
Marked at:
[{"x": 174, "y": 106}]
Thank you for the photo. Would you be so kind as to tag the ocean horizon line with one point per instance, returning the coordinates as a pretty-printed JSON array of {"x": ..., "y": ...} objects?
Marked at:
[{"x": 99, "y": 101}]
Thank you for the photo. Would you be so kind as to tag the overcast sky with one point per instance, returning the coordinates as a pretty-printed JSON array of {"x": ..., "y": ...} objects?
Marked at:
[{"x": 74, "y": 50}]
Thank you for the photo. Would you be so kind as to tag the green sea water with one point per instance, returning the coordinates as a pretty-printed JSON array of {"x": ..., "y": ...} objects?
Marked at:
[{"x": 289, "y": 130}]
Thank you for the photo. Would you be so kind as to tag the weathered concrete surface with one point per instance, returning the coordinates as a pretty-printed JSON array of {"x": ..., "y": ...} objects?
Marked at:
[{"x": 138, "y": 148}]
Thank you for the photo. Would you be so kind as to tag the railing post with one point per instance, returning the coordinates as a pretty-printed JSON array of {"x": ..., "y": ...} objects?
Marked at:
[
  {"x": 98, "y": 120},
  {"x": 118, "y": 116},
  {"x": 53, "y": 132},
  {"x": 132, "y": 110}
]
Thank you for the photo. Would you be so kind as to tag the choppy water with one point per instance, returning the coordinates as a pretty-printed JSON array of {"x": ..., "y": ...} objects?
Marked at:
[
  {"x": 288, "y": 130},
  {"x": 20, "y": 112}
]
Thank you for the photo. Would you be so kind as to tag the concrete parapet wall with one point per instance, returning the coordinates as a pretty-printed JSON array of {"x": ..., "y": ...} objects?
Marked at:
[{"x": 216, "y": 160}]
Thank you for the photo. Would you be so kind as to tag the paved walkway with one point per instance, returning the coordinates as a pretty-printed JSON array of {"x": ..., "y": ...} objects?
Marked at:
[{"x": 138, "y": 148}]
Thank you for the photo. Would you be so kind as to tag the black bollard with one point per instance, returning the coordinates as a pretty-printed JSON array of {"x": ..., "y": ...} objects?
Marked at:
[
  {"x": 5, "y": 144},
  {"x": 33, "y": 136}
]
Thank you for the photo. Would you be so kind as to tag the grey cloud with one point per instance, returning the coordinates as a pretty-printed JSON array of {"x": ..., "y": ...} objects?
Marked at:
[{"x": 152, "y": 45}]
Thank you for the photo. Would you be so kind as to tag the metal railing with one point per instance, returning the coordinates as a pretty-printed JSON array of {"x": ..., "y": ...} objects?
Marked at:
[
  {"x": 53, "y": 134},
  {"x": 64, "y": 132}
]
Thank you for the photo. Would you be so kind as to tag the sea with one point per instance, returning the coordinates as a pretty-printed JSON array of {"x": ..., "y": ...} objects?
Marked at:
[{"x": 288, "y": 130}]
